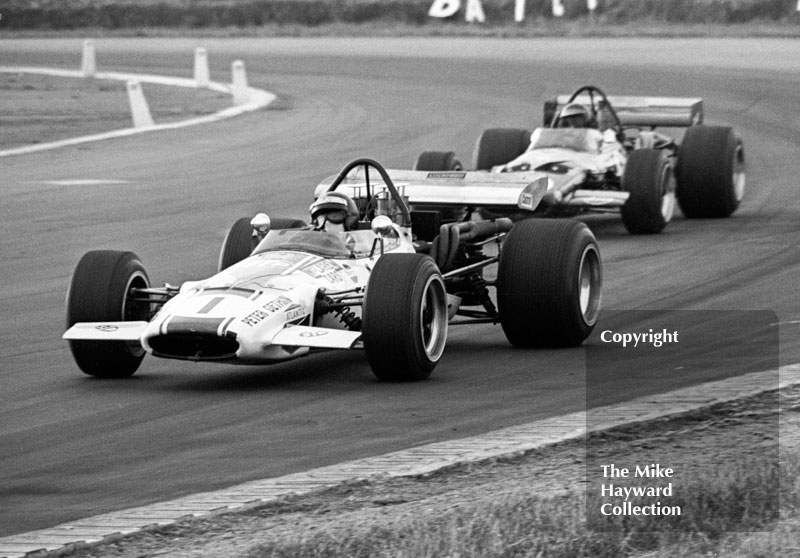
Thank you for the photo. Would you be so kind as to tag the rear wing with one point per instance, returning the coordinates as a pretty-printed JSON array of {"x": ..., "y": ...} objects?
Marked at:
[
  {"x": 433, "y": 189},
  {"x": 677, "y": 112}
]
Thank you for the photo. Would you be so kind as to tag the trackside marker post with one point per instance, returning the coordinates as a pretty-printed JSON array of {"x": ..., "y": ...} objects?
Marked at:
[
  {"x": 239, "y": 88},
  {"x": 558, "y": 8},
  {"x": 201, "y": 73},
  {"x": 139, "y": 109},
  {"x": 519, "y": 11},
  {"x": 88, "y": 60}
]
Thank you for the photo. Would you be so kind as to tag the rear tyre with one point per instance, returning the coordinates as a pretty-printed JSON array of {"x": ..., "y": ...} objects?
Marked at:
[
  {"x": 649, "y": 179},
  {"x": 498, "y": 146},
  {"x": 404, "y": 317},
  {"x": 100, "y": 292},
  {"x": 549, "y": 283},
  {"x": 710, "y": 172},
  {"x": 438, "y": 161},
  {"x": 240, "y": 242}
]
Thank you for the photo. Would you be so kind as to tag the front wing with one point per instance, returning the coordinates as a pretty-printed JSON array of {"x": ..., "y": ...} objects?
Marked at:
[{"x": 290, "y": 336}]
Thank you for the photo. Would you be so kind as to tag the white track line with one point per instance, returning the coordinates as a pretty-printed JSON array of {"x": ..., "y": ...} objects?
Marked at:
[
  {"x": 421, "y": 460},
  {"x": 257, "y": 99}
]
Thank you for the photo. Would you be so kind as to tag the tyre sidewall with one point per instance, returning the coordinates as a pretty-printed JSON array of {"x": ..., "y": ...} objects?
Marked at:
[
  {"x": 706, "y": 161},
  {"x": 98, "y": 293},
  {"x": 438, "y": 161},
  {"x": 238, "y": 244},
  {"x": 498, "y": 146},
  {"x": 538, "y": 283},
  {"x": 648, "y": 178},
  {"x": 391, "y": 327}
]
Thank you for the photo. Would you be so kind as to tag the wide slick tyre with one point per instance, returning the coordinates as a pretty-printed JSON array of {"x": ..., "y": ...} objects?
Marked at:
[
  {"x": 404, "y": 317},
  {"x": 100, "y": 291},
  {"x": 710, "y": 172},
  {"x": 549, "y": 283},
  {"x": 438, "y": 161},
  {"x": 649, "y": 180},
  {"x": 498, "y": 146}
]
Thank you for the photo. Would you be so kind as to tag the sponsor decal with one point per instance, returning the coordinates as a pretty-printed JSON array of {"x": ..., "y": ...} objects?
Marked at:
[
  {"x": 445, "y": 175},
  {"x": 317, "y": 333},
  {"x": 107, "y": 328},
  {"x": 257, "y": 316},
  {"x": 294, "y": 312},
  {"x": 325, "y": 269}
]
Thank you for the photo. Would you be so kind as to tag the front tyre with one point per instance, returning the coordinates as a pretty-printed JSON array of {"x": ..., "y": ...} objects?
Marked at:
[
  {"x": 549, "y": 283},
  {"x": 498, "y": 146},
  {"x": 240, "y": 241},
  {"x": 710, "y": 172},
  {"x": 649, "y": 180},
  {"x": 438, "y": 161},
  {"x": 100, "y": 291},
  {"x": 404, "y": 317},
  {"x": 238, "y": 244}
]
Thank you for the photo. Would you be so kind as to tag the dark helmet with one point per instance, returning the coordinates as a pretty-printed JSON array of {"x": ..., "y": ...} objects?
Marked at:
[
  {"x": 574, "y": 115},
  {"x": 337, "y": 208}
]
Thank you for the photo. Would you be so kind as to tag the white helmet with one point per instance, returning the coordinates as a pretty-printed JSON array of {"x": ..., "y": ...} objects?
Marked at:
[
  {"x": 574, "y": 115},
  {"x": 336, "y": 208}
]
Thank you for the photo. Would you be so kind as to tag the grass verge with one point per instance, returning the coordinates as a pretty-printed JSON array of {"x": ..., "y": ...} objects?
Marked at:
[
  {"x": 40, "y": 108},
  {"x": 720, "y": 512}
]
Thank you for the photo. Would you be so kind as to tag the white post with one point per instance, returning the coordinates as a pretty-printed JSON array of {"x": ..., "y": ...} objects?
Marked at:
[
  {"x": 88, "y": 60},
  {"x": 139, "y": 109},
  {"x": 558, "y": 8},
  {"x": 519, "y": 11},
  {"x": 201, "y": 74},
  {"x": 798, "y": 5},
  {"x": 475, "y": 11},
  {"x": 239, "y": 83},
  {"x": 591, "y": 4}
]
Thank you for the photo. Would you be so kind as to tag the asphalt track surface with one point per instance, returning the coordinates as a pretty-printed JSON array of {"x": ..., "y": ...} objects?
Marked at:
[{"x": 72, "y": 446}]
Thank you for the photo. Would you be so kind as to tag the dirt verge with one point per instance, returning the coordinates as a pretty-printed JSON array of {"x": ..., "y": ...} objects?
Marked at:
[{"x": 701, "y": 440}]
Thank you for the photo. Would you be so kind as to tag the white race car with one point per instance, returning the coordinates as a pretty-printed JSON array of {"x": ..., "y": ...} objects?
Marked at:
[
  {"x": 355, "y": 279},
  {"x": 603, "y": 154}
]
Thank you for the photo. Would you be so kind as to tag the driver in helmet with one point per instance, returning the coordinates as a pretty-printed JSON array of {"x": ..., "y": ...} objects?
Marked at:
[
  {"x": 574, "y": 115},
  {"x": 334, "y": 212}
]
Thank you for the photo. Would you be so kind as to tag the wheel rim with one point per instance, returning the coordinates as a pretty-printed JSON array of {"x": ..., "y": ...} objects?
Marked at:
[
  {"x": 738, "y": 173},
  {"x": 433, "y": 318},
  {"x": 589, "y": 285},
  {"x": 133, "y": 310}
]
